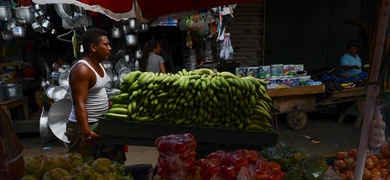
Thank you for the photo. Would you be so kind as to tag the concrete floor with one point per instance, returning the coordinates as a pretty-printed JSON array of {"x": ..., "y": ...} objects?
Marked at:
[{"x": 331, "y": 137}]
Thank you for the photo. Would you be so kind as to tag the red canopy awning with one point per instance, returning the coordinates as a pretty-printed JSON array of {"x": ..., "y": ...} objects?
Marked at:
[{"x": 125, "y": 9}]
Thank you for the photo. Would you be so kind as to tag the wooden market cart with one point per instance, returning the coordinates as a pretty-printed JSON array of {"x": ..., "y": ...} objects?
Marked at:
[{"x": 297, "y": 101}]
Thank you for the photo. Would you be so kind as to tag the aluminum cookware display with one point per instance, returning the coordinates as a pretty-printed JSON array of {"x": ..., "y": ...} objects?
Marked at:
[
  {"x": 132, "y": 23},
  {"x": 5, "y": 13},
  {"x": 11, "y": 24},
  {"x": 138, "y": 54},
  {"x": 36, "y": 27},
  {"x": 58, "y": 117},
  {"x": 65, "y": 11},
  {"x": 44, "y": 131},
  {"x": 125, "y": 28},
  {"x": 49, "y": 91},
  {"x": 18, "y": 31},
  {"x": 59, "y": 93},
  {"x": 47, "y": 24},
  {"x": 63, "y": 78},
  {"x": 131, "y": 39},
  {"x": 12, "y": 90},
  {"x": 26, "y": 13},
  {"x": 107, "y": 64},
  {"x": 116, "y": 32}
]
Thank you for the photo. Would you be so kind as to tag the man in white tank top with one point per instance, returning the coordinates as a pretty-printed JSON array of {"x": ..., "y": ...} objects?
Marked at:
[{"x": 87, "y": 80}]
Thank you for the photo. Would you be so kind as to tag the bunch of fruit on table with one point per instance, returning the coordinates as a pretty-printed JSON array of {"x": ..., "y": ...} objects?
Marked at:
[
  {"x": 200, "y": 97},
  {"x": 376, "y": 165},
  {"x": 74, "y": 166}
]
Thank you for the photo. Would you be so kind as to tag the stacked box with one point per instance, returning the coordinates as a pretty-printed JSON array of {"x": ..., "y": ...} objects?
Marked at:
[
  {"x": 242, "y": 72},
  {"x": 276, "y": 70},
  {"x": 289, "y": 70},
  {"x": 253, "y": 72},
  {"x": 264, "y": 72}
]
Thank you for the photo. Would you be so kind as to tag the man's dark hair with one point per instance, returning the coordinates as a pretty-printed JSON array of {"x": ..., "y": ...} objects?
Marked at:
[{"x": 92, "y": 36}]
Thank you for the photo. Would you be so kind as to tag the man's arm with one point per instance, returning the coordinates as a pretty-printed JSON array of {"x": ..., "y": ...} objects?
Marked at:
[{"x": 79, "y": 79}]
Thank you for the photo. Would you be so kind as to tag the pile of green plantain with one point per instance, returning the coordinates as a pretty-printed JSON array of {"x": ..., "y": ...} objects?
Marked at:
[{"x": 199, "y": 98}]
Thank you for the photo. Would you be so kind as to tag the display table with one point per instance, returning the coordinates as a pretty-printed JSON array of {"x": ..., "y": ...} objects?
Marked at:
[
  {"x": 8, "y": 104},
  {"x": 144, "y": 134}
]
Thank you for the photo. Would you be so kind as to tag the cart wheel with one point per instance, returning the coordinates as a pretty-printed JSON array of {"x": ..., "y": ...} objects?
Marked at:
[{"x": 297, "y": 119}]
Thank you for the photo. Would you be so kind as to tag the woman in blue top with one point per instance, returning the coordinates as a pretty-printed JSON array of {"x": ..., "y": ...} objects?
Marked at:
[{"x": 350, "y": 61}]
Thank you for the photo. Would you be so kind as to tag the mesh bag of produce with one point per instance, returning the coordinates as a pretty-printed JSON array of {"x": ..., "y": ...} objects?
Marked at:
[{"x": 177, "y": 156}]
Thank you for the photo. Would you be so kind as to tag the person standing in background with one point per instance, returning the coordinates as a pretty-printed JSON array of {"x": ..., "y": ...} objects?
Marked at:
[
  {"x": 151, "y": 60},
  {"x": 350, "y": 62},
  {"x": 87, "y": 80}
]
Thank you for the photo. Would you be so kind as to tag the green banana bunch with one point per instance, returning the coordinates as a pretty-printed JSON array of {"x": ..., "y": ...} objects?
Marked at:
[{"x": 200, "y": 98}]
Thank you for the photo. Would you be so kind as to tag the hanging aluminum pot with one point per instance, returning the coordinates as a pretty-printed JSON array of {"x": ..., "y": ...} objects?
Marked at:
[
  {"x": 12, "y": 90},
  {"x": 132, "y": 23},
  {"x": 131, "y": 39},
  {"x": 65, "y": 11},
  {"x": 116, "y": 33},
  {"x": 47, "y": 24},
  {"x": 5, "y": 13},
  {"x": 125, "y": 28},
  {"x": 11, "y": 24},
  {"x": 126, "y": 58},
  {"x": 144, "y": 27},
  {"x": 18, "y": 31},
  {"x": 138, "y": 54},
  {"x": 36, "y": 27},
  {"x": 25, "y": 13}
]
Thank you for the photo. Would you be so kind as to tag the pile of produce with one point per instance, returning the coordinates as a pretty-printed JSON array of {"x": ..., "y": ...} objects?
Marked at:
[
  {"x": 376, "y": 165},
  {"x": 177, "y": 156},
  {"x": 295, "y": 162},
  {"x": 74, "y": 166},
  {"x": 240, "y": 164},
  {"x": 200, "y": 97}
]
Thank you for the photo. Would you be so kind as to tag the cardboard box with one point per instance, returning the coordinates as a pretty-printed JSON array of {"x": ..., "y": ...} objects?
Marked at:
[
  {"x": 289, "y": 70},
  {"x": 253, "y": 72},
  {"x": 276, "y": 69},
  {"x": 242, "y": 72},
  {"x": 264, "y": 72},
  {"x": 299, "y": 67}
]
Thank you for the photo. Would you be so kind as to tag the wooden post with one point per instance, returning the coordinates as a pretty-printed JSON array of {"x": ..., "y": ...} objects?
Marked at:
[{"x": 383, "y": 9}]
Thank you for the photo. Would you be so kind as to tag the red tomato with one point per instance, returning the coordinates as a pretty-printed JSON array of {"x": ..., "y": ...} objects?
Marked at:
[
  {"x": 214, "y": 166},
  {"x": 228, "y": 171},
  {"x": 273, "y": 166},
  {"x": 261, "y": 164},
  {"x": 238, "y": 160},
  {"x": 217, "y": 154},
  {"x": 179, "y": 148},
  {"x": 262, "y": 174},
  {"x": 202, "y": 163},
  {"x": 164, "y": 146}
]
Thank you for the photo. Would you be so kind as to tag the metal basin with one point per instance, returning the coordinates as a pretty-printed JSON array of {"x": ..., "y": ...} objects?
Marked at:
[
  {"x": 44, "y": 131},
  {"x": 58, "y": 117}
]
